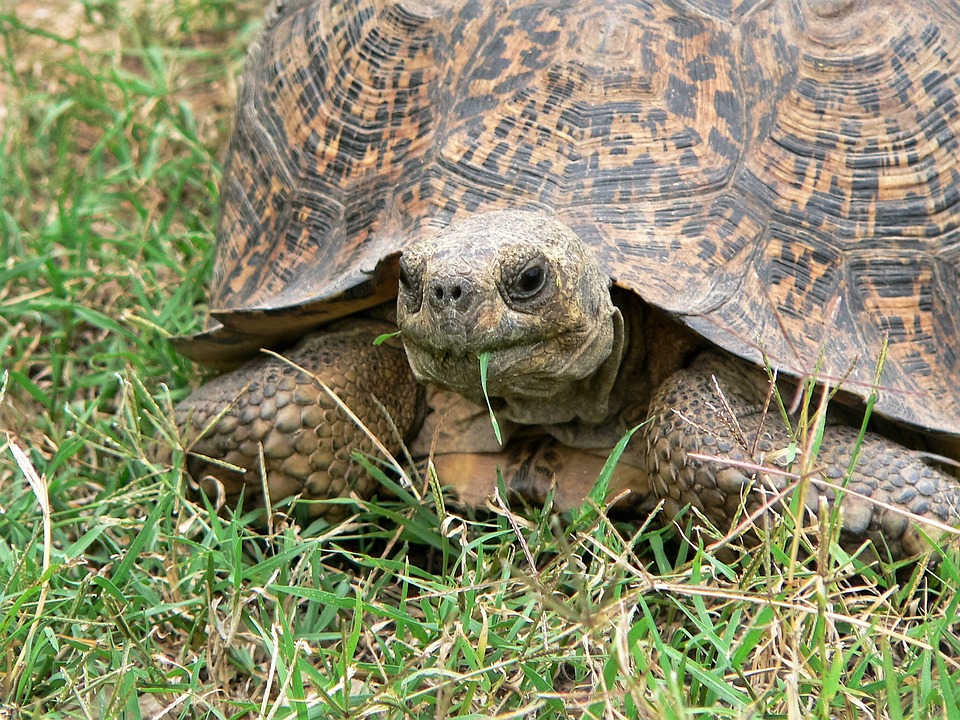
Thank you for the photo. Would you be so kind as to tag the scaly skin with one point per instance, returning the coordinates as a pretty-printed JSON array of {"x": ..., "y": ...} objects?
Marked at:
[
  {"x": 689, "y": 417},
  {"x": 307, "y": 440}
]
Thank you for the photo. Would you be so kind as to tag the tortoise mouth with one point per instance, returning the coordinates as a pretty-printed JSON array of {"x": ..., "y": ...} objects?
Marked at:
[
  {"x": 455, "y": 341},
  {"x": 535, "y": 365},
  {"x": 510, "y": 368}
]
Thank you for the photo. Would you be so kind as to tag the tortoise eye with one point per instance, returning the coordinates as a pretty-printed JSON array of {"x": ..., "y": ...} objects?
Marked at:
[{"x": 530, "y": 281}]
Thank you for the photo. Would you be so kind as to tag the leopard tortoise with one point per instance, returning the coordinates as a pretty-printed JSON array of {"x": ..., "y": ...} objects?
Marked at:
[{"x": 628, "y": 209}]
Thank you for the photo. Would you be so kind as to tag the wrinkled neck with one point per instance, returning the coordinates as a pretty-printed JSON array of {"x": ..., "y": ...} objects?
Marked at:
[
  {"x": 649, "y": 346},
  {"x": 586, "y": 401}
]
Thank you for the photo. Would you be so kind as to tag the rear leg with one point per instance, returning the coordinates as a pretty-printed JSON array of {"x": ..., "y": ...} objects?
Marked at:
[
  {"x": 689, "y": 417},
  {"x": 269, "y": 407},
  {"x": 535, "y": 467},
  {"x": 458, "y": 438}
]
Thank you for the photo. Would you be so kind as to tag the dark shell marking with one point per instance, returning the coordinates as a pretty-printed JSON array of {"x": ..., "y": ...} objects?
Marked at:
[{"x": 780, "y": 175}]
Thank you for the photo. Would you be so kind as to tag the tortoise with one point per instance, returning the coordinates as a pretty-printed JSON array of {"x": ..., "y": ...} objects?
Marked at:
[{"x": 633, "y": 213}]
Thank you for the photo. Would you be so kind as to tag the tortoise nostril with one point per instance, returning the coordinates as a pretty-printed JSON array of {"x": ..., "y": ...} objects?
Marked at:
[{"x": 452, "y": 293}]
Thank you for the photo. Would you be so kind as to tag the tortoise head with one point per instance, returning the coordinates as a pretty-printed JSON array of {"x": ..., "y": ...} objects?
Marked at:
[{"x": 524, "y": 289}]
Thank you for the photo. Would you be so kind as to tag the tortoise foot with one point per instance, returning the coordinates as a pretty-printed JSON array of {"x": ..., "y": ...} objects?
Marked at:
[
  {"x": 704, "y": 451},
  {"x": 272, "y": 424}
]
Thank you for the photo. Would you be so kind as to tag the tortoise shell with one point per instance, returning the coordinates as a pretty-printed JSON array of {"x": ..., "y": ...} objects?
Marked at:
[{"x": 783, "y": 177}]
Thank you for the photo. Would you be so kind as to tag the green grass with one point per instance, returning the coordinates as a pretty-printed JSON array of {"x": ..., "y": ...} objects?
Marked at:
[{"x": 122, "y": 598}]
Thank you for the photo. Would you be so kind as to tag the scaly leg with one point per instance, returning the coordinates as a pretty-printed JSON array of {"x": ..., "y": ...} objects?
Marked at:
[
  {"x": 306, "y": 440},
  {"x": 689, "y": 417}
]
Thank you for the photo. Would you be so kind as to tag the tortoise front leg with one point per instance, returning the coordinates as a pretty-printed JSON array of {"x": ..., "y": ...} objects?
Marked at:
[
  {"x": 269, "y": 408},
  {"x": 889, "y": 484}
]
